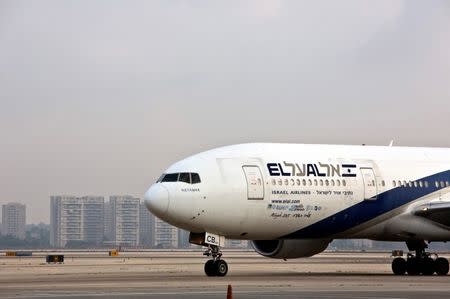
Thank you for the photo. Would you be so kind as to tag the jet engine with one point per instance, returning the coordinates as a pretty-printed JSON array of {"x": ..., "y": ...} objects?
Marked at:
[{"x": 290, "y": 249}]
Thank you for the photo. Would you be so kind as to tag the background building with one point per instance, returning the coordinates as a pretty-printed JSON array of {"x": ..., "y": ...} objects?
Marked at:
[
  {"x": 108, "y": 230},
  {"x": 93, "y": 219},
  {"x": 76, "y": 221},
  {"x": 183, "y": 238},
  {"x": 146, "y": 227},
  {"x": 166, "y": 235},
  {"x": 14, "y": 220},
  {"x": 125, "y": 211}
]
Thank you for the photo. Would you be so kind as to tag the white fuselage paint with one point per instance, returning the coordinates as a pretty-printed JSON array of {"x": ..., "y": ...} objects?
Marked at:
[{"x": 282, "y": 205}]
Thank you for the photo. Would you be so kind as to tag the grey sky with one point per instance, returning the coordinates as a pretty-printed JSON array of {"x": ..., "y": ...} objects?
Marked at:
[{"x": 99, "y": 97}]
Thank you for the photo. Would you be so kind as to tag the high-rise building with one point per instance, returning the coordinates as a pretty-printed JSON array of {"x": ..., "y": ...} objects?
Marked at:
[
  {"x": 183, "y": 238},
  {"x": 146, "y": 227},
  {"x": 14, "y": 220},
  {"x": 93, "y": 215},
  {"x": 76, "y": 220},
  {"x": 108, "y": 231},
  {"x": 166, "y": 235},
  {"x": 125, "y": 220}
]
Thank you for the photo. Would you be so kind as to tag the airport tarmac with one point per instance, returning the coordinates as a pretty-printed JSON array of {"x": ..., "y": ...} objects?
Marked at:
[{"x": 180, "y": 275}]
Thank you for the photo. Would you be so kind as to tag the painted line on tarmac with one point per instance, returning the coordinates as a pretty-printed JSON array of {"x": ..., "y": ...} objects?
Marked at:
[{"x": 152, "y": 294}]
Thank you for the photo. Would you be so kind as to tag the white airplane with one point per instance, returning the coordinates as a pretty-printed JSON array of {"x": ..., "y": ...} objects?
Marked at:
[{"x": 292, "y": 200}]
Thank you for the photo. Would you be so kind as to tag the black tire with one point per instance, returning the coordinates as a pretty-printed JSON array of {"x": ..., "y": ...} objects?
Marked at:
[
  {"x": 441, "y": 266},
  {"x": 221, "y": 268},
  {"x": 427, "y": 266},
  {"x": 413, "y": 266},
  {"x": 210, "y": 269},
  {"x": 399, "y": 266}
]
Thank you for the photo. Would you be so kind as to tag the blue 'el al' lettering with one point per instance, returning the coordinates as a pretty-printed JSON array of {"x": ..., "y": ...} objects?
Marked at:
[
  {"x": 273, "y": 169},
  {"x": 282, "y": 171}
]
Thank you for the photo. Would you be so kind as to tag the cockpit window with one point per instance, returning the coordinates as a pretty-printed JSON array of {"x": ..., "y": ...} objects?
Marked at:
[
  {"x": 185, "y": 177},
  {"x": 160, "y": 178},
  {"x": 195, "y": 178},
  {"x": 170, "y": 177}
]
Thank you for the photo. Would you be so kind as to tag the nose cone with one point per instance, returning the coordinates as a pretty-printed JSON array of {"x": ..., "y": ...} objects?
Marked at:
[{"x": 157, "y": 200}]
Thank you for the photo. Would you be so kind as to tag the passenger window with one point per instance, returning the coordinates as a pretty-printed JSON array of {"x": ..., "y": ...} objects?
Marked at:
[
  {"x": 415, "y": 184},
  {"x": 420, "y": 184},
  {"x": 410, "y": 184},
  {"x": 304, "y": 182},
  {"x": 321, "y": 182},
  {"x": 426, "y": 184},
  {"x": 394, "y": 183},
  {"x": 332, "y": 183},
  {"x": 338, "y": 183},
  {"x": 442, "y": 184},
  {"x": 405, "y": 184},
  {"x": 286, "y": 182},
  {"x": 447, "y": 184},
  {"x": 185, "y": 177},
  {"x": 327, "y": 183},
  {"x": 280, "y": 182},
  {"x": 274, "y": 182},
  {"x": 298, "y": 182},
  {"x": 399, "y": 183},
  {"x": 292, "y": 182},
  {"x": 383, "y": 183},
  {"x": 195, "y": 178},
  {"x": 315, "y": 182},
  {"x": 344, "y": 183},
  {"x": 310, "y": 182},
  {"x": 170, "y": 177},
  {"x": 437, "y": 184}
]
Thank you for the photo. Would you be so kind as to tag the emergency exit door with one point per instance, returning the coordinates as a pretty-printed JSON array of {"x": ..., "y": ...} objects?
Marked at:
[
  {"x": 370, "y": 183},
  {"x": 255, "y": 184}
]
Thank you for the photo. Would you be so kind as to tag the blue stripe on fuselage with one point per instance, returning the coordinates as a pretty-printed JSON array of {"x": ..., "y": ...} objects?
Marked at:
[{"x": 369, "y": 209}]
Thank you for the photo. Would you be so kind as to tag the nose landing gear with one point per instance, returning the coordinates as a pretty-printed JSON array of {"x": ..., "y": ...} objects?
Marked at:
[
  {"x": 421, "y": 263},
  {"x": 215, "y": 266}
]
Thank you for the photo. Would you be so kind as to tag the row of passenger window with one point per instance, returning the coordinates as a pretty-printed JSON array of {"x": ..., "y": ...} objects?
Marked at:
[
  {"x": 332, "y": 183},
  {"x": 309, "y": 182},
  {"x": 186, "y": 177},
  {"x": 420, "y": 184}
]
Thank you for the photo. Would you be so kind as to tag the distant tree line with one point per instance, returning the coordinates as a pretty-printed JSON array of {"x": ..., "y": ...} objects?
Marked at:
[
  {"x": 365, "y": 245},
  {"x": 36, "y": 236}
]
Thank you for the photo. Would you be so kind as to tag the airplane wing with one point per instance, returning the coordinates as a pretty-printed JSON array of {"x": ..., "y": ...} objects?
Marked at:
[{"x": 438, "y": 212}]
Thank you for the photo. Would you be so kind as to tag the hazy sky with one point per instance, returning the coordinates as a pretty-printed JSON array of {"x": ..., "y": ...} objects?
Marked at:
[{"x": 100, "y": 97}]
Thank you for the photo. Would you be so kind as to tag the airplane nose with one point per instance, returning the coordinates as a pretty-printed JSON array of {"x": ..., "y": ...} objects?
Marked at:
[{"x": 157, "y": 200}]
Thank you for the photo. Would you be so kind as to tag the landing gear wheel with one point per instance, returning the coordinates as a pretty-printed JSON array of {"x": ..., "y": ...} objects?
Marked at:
[
  {"x": 221, "y": 268},
  {"x": 412, "y": 266},
  {"x": 399, "y": 266},
  {"x": 441, "y": 266},
  {"x": 210, "y": 269},
  {"x": 216, "y": 266},
  {"x": 427, "y": 266}
]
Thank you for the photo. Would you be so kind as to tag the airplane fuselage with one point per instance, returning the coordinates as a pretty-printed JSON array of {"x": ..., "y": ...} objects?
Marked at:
[{"x": 295, "y": 191}]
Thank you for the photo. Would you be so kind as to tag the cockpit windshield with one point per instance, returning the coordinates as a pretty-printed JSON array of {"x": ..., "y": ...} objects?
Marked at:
[{"x": 185, "y": 177}]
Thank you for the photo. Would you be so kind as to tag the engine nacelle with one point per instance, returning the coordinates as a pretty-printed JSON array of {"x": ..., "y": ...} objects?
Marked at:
[{"x": 290, "y": 249}]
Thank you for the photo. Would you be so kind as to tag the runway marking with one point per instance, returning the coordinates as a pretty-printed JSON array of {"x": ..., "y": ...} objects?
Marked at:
[{"x": 120, "y": 294}]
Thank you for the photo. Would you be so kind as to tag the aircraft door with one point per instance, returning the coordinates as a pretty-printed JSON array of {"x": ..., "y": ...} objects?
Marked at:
[
  {"x": 370, "y": 183},
  {"x": 255, "y": 182}
]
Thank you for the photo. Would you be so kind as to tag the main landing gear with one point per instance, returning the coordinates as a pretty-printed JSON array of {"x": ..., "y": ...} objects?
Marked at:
[
  {"x": 422, "y": 263},
  {"x": 215, "y": 266}
]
